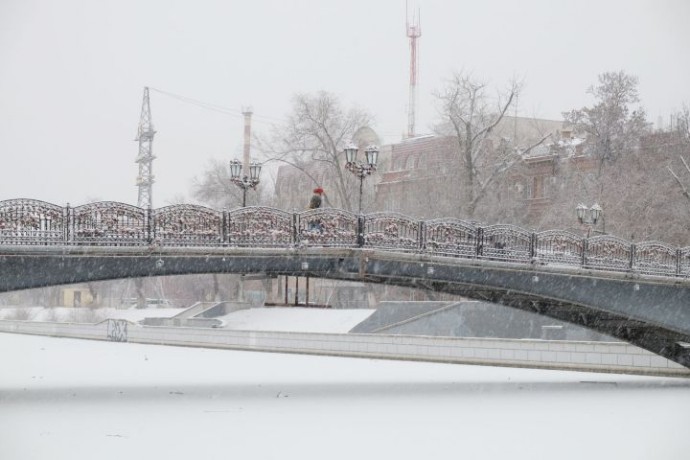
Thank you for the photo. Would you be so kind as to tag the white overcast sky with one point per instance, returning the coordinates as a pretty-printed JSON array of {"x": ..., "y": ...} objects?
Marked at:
[{"x": 72, "y": 74}]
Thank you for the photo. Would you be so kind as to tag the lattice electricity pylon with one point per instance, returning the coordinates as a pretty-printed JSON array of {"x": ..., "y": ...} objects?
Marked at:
[{"x": 145, "y": 158}]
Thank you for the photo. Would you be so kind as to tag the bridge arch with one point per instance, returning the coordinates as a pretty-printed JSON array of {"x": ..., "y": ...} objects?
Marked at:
[
  {"x": 650, "y": 312},
  {"x": 638, "y": 292}
]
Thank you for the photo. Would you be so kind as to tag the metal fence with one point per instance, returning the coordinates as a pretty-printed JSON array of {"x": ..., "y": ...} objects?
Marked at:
[{"x": 38, "y": 223}]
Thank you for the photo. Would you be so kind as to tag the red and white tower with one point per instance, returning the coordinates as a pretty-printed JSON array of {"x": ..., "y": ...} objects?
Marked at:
[
  {"x": 414, "y": 31},
  {"x": 246, "y": 157}
]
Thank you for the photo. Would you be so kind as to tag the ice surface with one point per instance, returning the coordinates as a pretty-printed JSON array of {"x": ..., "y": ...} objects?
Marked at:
[{"x": 80, "y": 399}]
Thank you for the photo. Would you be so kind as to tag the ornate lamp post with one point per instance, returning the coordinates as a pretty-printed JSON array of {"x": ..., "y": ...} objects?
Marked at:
[
  {"x": 244, "y": 182},
  {"x": 359, "y": 169},
  {"x": 589, "y": 216}
]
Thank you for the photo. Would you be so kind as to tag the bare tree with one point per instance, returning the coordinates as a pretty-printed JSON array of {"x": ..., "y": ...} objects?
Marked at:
[
  {"x": 683, "y": 125},
  {"x": 313, "y": 139},
  {"x": 472, "y": 117},
  {"x": 214, "y": 187},
  {"x": 613, "y": 168},
  {"x": 682, "y": 131},
  {"x": 610, "y": 126},
  {"x": 640, "y": 199}
]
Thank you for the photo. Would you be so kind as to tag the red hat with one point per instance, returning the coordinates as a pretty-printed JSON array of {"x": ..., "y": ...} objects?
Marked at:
[{"x": 318, "y": 190}]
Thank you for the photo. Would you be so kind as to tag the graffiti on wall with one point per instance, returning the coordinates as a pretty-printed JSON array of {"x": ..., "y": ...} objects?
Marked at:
[{"x": 117, "y": 330}]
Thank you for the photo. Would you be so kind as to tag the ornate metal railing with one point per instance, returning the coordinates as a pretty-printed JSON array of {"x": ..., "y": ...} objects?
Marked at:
[
  {"x": 327, "y": 228},
  {"x": 107, "y": 223},
  {"x": 25, "y": 221},
  {"x": 259, "y": 227},
  {"x": 451, "y": 237},
  {"x": 187, "y": 225},
  {"x": 32, "y": 222},
  {"x": 559, "y": 247},
  {"x": 391, "y": 231}
]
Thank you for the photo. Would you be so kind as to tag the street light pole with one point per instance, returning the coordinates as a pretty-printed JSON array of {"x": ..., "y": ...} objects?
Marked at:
[
  {"x": 361, "y": 170},
  {"x": 589, "y": 216},
  {"x": 361, "y": 190},
  {"x": 244, "y": 182}
]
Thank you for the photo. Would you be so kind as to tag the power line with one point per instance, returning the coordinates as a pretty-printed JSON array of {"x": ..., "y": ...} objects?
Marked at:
[
  {"x": 215, "y": 107},
  {"x": 237, "y": 113}
]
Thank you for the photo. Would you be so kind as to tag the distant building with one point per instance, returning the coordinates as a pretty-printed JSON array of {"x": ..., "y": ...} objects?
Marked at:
[
  {"x": 424, "y": 176},
  {"x": 417, "y": 168},
  {"x": 76, "y": 296},
  {"x": 540, "y": 177}
]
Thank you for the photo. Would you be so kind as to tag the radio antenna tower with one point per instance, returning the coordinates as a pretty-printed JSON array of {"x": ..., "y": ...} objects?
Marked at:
[
  {"x": 145, "y": 157},
  {"x": 414, "y": 31}
]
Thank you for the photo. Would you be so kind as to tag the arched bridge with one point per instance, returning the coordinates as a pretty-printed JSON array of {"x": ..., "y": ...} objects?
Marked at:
[{"x": 639, "y": 292}]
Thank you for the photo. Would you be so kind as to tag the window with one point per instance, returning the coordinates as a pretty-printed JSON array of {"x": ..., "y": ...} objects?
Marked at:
[
  {"x": 397, "y": 163},
  {"x": 537, "y": 187},
  {"x": 411, "y": 162}
]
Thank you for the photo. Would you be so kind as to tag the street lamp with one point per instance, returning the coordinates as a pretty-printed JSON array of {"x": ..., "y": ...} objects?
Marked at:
[
  {"x": 359, "y": 169},
  {"x": 244, "y": 182},
  {"x": 589, "y": 216}
]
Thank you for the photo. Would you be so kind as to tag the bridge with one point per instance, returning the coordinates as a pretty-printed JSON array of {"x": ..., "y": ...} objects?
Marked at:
[{"x": 637, "y": 292}]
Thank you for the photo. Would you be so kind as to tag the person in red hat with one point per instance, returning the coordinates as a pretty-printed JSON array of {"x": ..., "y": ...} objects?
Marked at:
[{"x": 315, "y": 201}]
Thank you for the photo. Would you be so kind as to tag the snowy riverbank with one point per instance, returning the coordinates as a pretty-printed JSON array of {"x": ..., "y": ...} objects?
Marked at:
[{"x": 77, "y": 399}]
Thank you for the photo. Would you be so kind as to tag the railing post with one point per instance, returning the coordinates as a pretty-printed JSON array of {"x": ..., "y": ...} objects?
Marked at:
[
  {"x": 421, "y": 241},
  {"x": 480, "y": 242},
  {"x": 584, "y": 252},
  {"x": 678, "y": 261},
  {"x": 149, "y": 226},
  {"x": 295, "y": 228},
  {"x": 66, "y": 218},
  {"x": 532, "y": 246},
  {"x": 632, "y": 257},
  {"x": 224, "y": 227},
  {"x": 360, "y": 231}
]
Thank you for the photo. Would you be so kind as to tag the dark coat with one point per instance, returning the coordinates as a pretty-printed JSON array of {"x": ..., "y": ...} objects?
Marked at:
[{"x": 315, "y": 201}]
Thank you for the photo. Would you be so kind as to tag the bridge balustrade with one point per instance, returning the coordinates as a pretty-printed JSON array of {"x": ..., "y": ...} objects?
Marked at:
[
  {"x": 391, "y": 231},
  {"x": 605, "y": 252},
  {"x": 108, "y": 223},
  {"x": 684, "y": 261},
  {"x": 558, "y": 247},
  {"x": 655, "y": 258},
  {"x": 506, "y": 242},
  {"x": 450, "y": 237},
  {"x": 259, "y": 226},
  {"x": 31, "y": 222},
  {"x": 187, "y": 225},
  {"x": 328, "y": 228},
  {"x": 27, "y": 222}
]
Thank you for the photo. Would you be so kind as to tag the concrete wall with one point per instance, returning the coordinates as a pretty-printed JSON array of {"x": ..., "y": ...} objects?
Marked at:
[
  {"x": 469, "y": 319},
  {"x": 586, "y": 356}
]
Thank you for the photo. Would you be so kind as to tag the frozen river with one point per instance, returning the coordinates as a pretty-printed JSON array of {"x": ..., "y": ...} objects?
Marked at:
[{"x": 77, "y": 399}]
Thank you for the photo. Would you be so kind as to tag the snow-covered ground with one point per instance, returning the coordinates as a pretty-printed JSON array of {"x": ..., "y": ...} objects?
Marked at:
[
  {"x": 297, "y": 319},
  {"x": 78, "y": 399},
  {"x": 84, "y": 315}
]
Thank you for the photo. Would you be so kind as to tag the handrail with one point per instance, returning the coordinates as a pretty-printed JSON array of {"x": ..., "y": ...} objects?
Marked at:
[{"x": 28, "y": 222}]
